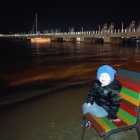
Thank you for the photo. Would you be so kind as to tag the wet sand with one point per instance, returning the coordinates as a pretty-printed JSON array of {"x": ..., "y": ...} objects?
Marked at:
[{"x": 57, "y": 116}]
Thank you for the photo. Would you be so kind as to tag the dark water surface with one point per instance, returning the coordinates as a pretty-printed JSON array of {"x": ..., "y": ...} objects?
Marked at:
[{"x": 38, "y": 66}]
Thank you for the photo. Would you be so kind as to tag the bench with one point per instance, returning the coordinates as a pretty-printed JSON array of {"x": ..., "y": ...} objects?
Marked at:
[{"x": 128, "y": 111}]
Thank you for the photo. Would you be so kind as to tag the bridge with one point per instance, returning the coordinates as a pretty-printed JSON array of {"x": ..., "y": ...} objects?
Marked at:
[{"x": 106, "y": 35}]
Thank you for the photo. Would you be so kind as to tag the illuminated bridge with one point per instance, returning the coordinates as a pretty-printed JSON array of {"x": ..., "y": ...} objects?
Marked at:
[{"x": 106, "y": 35}]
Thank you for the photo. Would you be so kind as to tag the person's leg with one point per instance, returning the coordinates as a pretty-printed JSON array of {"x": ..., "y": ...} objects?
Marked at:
[
  {"x": 95, "y": 110},
  {"x": 86, "y": 109},
  {"x": 98, "y": 111}
]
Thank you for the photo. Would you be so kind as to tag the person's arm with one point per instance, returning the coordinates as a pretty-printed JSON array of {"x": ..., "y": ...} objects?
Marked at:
[{"x": 91, "y": 95}]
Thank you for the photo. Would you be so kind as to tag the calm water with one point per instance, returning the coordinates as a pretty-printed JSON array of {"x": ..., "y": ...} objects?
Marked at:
[
  {"x": 22, "y": 62},
  {"x": 18, "y": 56}
]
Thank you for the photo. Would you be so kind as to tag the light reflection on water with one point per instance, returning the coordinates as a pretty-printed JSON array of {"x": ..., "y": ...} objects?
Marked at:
[
  {"x": 65, "y": 53},
  {"x": 22, "y": 59},
  {"x": 60, "y": 51}
]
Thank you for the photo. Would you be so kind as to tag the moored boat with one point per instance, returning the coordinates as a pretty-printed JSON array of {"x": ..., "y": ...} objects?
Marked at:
[{"x": 39, "y": 38}]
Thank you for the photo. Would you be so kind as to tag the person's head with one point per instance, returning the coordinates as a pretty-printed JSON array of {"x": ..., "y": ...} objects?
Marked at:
[{"x": 105, "y": 74}]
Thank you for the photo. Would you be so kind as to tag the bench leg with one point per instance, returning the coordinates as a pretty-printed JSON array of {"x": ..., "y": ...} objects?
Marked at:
[
  {"x": 138, "y": 132},
  {"x": 84, "y": 129},
  {"x": 106, "y": 136}
]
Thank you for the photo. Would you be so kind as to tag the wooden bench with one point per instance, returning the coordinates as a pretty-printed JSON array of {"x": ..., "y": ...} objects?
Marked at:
[{"x": 128, "y": 111}]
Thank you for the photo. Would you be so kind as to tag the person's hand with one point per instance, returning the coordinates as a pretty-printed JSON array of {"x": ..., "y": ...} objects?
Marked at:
[
  {"x": 115, "y": 120},
  {"x": 89, "y": 104}
]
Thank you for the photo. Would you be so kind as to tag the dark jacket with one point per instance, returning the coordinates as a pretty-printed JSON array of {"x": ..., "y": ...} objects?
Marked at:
[{"x": 107, "y": 97}]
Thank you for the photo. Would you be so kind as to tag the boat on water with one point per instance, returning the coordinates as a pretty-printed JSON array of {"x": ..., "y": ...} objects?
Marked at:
[{"x": 38, "y": 38}]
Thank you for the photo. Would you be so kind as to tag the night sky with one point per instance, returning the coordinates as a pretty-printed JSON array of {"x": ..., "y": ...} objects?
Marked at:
[{"x": 18, "y": 16}]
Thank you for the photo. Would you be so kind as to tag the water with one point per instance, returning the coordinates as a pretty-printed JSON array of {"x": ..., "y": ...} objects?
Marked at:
[{"x": 40, "y": 66}]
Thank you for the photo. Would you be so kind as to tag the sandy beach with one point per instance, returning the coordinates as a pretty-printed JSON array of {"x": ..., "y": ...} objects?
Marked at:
[{"x": 57, "y": 116}]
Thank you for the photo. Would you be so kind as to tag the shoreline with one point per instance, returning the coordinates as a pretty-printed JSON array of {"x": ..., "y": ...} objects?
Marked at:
[
  {"x": 32, "y": 94},
  {"x": 25, "y": 91}
]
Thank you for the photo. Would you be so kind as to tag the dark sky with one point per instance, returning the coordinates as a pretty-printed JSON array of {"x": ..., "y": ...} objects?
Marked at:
[{"x": 18, "y": 16}]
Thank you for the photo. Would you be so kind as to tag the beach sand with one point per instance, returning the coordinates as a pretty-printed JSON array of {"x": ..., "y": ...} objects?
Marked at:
[{"x": 57, "y": 116}]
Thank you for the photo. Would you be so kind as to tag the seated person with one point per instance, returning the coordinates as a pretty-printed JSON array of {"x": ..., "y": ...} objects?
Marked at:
[{"x": 104, "y": 96}]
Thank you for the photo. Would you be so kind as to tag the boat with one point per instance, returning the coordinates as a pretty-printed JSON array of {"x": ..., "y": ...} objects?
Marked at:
[{"x": 38, "y": 38}]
